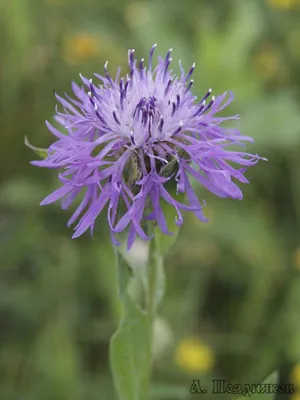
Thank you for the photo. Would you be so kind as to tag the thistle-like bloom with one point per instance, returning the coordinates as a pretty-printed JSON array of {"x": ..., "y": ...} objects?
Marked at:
[{"x": 125, "y": 138}]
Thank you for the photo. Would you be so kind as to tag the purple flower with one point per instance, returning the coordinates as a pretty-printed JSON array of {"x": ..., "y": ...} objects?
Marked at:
[{"x": 125, "y": 138}]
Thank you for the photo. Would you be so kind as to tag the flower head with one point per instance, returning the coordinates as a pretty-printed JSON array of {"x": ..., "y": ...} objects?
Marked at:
[{"x": 127, "y": 137}]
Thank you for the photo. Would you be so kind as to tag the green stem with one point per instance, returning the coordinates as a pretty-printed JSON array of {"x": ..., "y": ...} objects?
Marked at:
[
  {"x": 153, "y": 267},
  {"x": 131, "y": 345},
  {"x": 153, "y": 260}
]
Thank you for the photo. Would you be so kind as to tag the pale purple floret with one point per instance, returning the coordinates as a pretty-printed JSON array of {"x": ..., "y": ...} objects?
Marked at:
[{"x": 145, "y": 121}]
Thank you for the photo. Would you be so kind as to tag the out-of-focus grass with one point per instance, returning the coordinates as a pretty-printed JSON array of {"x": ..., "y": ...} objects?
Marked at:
[{"x": 232, "y": 283}]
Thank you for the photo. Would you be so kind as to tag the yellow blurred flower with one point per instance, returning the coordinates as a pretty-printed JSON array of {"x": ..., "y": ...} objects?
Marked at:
[
  {"x": 295, "y": 397},
  {"x": 267, "y": 62},
  {"x": 284, "y": 4},
  {"x": 80, "y": 47},
  {"x": 296, "y": 263},
  {"x": 194, "y": 356},
  {"x": 295, "y": 376},
  {"x": 136, "y": 14}
]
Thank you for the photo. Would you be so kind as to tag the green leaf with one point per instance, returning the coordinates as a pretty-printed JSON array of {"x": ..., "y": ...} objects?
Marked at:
[
  {"x": 43, "y": 153},
  {"x": 172, "y": 166},
  {"x": 157, "y": 273},
  {"x": 160, "y": 283},
  {"x": 134, "y": 170},
  {"x": 124, "y": 274},
  {"x": 270, "y": 380},
  {"x": 130, "y": 354},
  {"x": 169, "y": 168}
]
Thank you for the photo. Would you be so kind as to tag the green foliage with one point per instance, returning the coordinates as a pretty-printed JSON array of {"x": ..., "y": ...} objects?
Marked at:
[
  {"x": 270, "y": 380},
  {"x": 129, "y": 347},
  {"x": 39, "y": 151},
  {"x": 124, "y": 273},
  {"x": 129, "y": 353}
]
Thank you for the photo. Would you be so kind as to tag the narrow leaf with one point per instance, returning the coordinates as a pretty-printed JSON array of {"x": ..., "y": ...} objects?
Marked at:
[
  {"x": 169, "y": 168},
  {"x": 272, "y": 379},
  {"x": 124, "y": 273},
  {"x": 172, "y": 166},
  {"x": 129, "y": 353},
  {"x": 43, "y": 153},
  {"x": 158, "y": 273}
]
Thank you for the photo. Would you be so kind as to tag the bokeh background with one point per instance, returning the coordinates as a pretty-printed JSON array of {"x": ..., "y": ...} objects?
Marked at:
[{"x": 232, "y": 306}]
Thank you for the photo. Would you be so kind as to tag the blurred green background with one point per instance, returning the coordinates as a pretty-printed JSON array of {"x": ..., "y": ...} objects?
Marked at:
[{"x": 232, "y": 307}]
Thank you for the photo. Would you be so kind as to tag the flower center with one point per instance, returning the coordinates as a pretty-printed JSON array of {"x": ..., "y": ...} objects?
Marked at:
[{"x": 147, "y": 110}]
